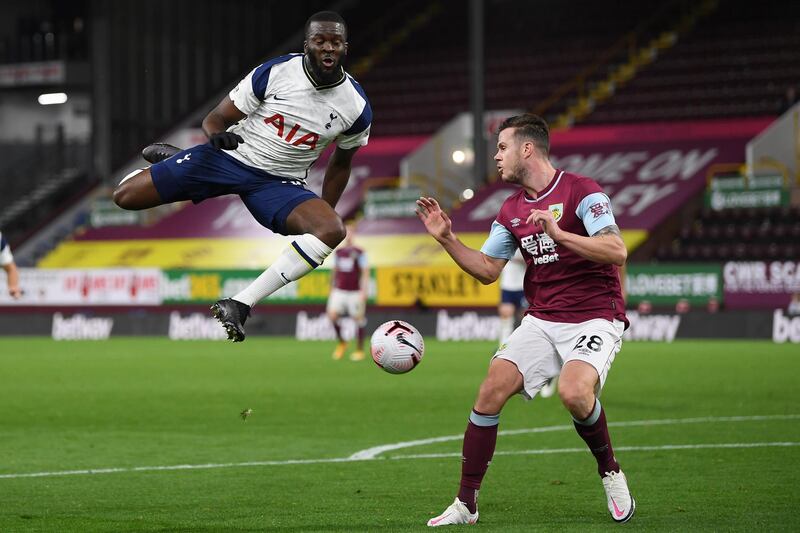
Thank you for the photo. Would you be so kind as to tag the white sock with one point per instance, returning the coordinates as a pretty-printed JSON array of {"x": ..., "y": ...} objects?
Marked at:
[
  {"x": 506, "y": 328},
  {"x": 132, "y": 174},
  {"x": 303, "y": 255}
]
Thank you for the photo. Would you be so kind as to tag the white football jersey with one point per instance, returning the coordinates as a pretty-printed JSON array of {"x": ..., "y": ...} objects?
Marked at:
[
  {"x": 291, "y": 120},
  {"x": 5, "y": 252}
]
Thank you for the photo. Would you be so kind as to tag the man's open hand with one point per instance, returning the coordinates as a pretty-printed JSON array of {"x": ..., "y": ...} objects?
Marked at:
[{"x": 436, "y": 221}]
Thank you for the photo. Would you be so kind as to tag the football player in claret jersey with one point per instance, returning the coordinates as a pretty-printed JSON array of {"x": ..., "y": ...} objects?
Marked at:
[
  {"x": 565, "y": 228},
  {"x": 349, "y": 290},
  {"x": 263, "y": 138}
]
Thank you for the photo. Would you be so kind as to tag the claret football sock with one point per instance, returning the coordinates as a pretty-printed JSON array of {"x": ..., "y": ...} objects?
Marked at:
[
  {"x": 594, "y": 431},
  {"x": 304, "y": 254},
  {"x": 337, "y": 328},
  {"x": 479, "y": 442}
]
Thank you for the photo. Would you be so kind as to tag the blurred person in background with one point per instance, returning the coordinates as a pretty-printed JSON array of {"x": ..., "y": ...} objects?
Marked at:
[
  {"x": 349, "y": 291},
  {"x": 794, "y": 304},
  {"x": 512, "y": 295},
  {"x": 263, "y": 138},
  {"x": 12, "y": 273}
]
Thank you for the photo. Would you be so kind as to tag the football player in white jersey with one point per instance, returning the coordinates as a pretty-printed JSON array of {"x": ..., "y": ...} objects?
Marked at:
[
  {"x": 512, "y": 295},
  {"x": 8, "y": 264},
  {"x": 263, "y": 137}
]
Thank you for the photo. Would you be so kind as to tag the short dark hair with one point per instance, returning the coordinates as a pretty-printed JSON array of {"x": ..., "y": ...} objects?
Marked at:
[
  {"x": 325, "y": 16},
  {"x": 531, "y": 127}
]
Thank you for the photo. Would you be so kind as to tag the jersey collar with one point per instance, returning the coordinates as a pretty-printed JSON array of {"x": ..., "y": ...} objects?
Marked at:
[
  {"x": 316, "y": 85},
  {"x": 547, "y": 190}
]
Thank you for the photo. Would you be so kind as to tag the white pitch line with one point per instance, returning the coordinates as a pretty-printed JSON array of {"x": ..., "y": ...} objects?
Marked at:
[
  {"x": 548, "y": 451},
  {"x": 371, "y": 453},
  {"x": 175, "y": 467},
  {"x": 545, "y": 451},
  {"x": 363, "y": 456}
]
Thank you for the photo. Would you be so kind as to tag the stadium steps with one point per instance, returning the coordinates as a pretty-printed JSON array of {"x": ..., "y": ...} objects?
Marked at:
[
  {"x": 728, "y": 65},
  {"x": 605, "y": 89}
]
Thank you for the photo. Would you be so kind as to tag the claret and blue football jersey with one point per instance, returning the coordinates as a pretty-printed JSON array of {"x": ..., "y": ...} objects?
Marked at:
[{"x": 560, "y": 285}]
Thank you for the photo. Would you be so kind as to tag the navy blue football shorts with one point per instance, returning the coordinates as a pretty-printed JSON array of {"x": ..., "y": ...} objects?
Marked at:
[
  {"x": 204, "y": 172},
  {"x": 515, "y": 298}
]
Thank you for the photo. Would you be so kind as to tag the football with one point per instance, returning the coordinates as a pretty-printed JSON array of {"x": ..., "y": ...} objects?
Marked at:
[{"x": 397, "y": 346}]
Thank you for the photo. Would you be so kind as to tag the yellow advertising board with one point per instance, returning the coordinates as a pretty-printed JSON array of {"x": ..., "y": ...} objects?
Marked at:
[
  {"x": 166, "y": 253},
  {"x": 382, "y": 251},
  {"x": 433, "y": 286}
]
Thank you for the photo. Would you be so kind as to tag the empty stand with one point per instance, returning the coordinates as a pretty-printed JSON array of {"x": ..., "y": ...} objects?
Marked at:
[
  {"x": 752, "y": 234},
  {"x": 737, "y": 61},
  {"x": 728, "y": 65},
  {"x": 531, "y": 50}
]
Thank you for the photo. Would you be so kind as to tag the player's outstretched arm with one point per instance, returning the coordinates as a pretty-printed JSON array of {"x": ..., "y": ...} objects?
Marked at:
[
  {"x": 337, "y": 174},
  {"x": 225, "y": 115},
  {"x": 478, "y": 265},
  {"x": 606, "y": 246}
]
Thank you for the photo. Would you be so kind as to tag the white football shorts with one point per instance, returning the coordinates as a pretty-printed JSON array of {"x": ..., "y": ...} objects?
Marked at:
[
  {"x": 540, "y": 348},
  {"x": 346, "y": 303}
]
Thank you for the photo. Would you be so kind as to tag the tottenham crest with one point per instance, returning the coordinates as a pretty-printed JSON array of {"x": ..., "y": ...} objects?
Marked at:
[{"x": 557, "y": 210}]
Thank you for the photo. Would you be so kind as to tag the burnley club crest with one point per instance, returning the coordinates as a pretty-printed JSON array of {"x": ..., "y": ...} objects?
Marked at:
[{"x": 557, "y": 210}]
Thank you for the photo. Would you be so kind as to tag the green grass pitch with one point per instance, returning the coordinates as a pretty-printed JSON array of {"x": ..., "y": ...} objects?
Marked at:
[{"x": 707, "y": 432}]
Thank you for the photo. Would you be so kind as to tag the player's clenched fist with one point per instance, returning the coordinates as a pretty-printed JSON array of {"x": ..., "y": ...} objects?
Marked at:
[{"x": 225, "y": 140}]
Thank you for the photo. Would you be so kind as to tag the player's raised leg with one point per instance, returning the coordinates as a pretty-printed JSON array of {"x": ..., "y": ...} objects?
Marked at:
[
  {"x": 318, "y": 231},
  {"x": 136, "y": 191},
  {"x": 503, "y": 381},
  {"x": 577, "y": 388},
  {"x": 157, "y": 152},
  {"x": 165, "y": 181}
]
